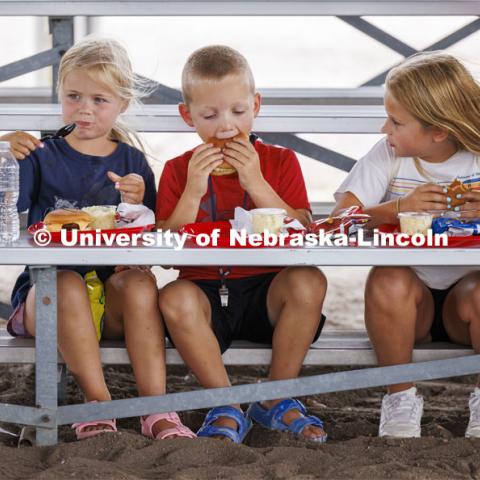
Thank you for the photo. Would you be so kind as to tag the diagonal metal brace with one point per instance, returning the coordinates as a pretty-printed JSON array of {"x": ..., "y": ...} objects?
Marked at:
[
  {"x": 23, "y": 415},
  {"x": 31, "y": 64},
  {"x": 310, "y": 149},
  {"x": 441, "y": 44},
  {"x": 316, "y": 384},
  {"x": 379, "y": 35}
]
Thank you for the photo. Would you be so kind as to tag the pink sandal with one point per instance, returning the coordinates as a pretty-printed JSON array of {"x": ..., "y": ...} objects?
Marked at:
[
  {"x": 82, "y": 434},
  {"x": 179, "y": 430},
  {"x": 81, "y": 426}
]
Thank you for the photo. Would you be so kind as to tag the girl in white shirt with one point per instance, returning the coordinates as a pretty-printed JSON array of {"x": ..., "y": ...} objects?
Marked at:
[{"x": 432, "y": 137}]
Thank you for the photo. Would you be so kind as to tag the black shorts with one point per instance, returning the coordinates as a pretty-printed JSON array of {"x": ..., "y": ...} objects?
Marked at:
[
  {"x": 245, "y": 317},
  {"x": 437, "y": 330}
]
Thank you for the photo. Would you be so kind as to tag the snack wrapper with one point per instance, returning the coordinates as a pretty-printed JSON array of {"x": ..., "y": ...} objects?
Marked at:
[
  {"x": 347, "y": 221},
  {"x": 242, "y": 220},
  {"x": 131, "y": 215},
  {"x": 96, "y": 297},
  {"x": 455, "y": 227}
]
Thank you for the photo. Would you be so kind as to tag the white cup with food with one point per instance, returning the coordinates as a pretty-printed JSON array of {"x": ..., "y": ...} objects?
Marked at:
[
  {"x": 415, "y": 222},
  {"x": 267, "y": 220},
  {"x": 103, "y": 216}
]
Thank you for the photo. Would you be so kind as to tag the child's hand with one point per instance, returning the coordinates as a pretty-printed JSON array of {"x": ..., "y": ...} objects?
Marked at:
[
  {"x": 131, "y": 187},
  {"x": 21, "y": 143},
  {"x": 204, "y": 160},
  {"x": 471, "y": 208},
  {"x": 241, "y": 154},
  {"x": 425, "y": 197}
]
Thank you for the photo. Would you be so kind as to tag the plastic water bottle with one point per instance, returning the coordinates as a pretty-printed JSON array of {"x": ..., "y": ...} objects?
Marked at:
[{"x": 9, "y": 188}]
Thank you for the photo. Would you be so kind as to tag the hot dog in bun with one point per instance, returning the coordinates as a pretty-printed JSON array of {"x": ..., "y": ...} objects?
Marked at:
[{"x": 68, "y": 219}]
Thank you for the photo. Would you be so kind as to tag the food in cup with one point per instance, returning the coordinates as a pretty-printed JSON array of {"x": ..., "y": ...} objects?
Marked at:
[
  {"x": 103, "y": 216},
  {"x": 415, "y": 222},
  {"x": 267, "y": 220},
  {"x": 67, "y": 219}
]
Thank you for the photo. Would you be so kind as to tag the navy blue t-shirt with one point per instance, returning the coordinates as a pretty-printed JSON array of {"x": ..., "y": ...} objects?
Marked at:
[{"x": 58, "y": 172}]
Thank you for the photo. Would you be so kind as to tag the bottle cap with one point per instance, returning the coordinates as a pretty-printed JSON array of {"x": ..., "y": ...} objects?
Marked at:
[{"x": 4, "y": 145}]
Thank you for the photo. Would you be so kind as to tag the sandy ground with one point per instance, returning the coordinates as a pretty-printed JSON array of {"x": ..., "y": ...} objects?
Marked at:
[{"x": 351, "y": 419}]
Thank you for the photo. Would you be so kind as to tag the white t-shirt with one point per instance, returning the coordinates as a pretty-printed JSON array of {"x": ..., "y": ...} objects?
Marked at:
[{"x": 379, "y": 177}]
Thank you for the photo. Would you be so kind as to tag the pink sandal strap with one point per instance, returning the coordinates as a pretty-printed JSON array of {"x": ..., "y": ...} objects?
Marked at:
[
  {"x": 178, "y": 430},
  {"x": 81, "y": 426}
]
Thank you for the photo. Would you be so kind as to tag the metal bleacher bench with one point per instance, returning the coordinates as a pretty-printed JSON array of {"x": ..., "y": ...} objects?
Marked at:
[
  {"x": 334, "y": 347},
  {"x": 165, "y": 118}
]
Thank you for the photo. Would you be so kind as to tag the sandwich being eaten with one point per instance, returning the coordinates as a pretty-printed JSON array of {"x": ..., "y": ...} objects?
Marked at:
[
  {"x": 68, "y": 219},
  {"x": 224, "y": 168},
  {"x": 455, "y": 191}
]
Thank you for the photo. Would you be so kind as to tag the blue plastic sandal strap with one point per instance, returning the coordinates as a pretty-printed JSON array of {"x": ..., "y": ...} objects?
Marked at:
[
  {"x": 214, "y": 431},
  {"x": 273, "y": 418},
  {"x": 237, "y": 436},
  {"x": 300, "y": 423}
]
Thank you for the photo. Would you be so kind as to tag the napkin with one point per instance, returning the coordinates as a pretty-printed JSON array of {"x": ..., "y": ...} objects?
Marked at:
[{"x": 134, "y": 215}]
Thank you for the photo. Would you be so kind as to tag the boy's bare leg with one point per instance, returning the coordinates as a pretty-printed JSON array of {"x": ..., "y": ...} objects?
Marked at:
[
  {"x": 131, "y": 311},
  {"x": 187, "y": 315},
  {"x": 294, "y": 303},
  {"x": 77, "y": 339},
  {"x": 398, "y": 313}
]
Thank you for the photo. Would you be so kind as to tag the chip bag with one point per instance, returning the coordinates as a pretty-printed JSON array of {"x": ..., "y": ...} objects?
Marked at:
[
  {"x": 96, "y": 295},
  {"x": 344, "y": 222}
]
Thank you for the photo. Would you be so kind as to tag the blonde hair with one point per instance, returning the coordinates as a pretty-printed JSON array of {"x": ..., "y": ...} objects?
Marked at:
[
  {"x": 106, "y": 62},
  {"x": 439, "y": 91},
  {"x": 214, "y": 62}
]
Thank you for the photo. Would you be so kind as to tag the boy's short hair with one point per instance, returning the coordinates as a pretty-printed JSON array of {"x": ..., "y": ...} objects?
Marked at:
[{"x": 214, "y": 63}]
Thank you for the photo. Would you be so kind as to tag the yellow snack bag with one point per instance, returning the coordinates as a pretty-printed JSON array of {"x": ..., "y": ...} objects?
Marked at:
[{"x": 96, "y": 295}]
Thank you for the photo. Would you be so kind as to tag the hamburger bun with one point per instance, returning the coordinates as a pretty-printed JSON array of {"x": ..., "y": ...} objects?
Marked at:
[
  {"x": 224, "y": 168},
  {"x": 66, "y": 218}
]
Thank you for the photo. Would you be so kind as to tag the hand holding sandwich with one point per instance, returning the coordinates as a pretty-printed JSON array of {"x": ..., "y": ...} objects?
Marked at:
[
  {"x": 241, "y": 155},
  {"x": 204, "y": 160}
]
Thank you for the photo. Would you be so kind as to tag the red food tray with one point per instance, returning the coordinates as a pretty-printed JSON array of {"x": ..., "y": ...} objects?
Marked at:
[
  {"x": 453, "y": 242},
  {"x": 56, "y": 236},
  {"x": 195, "y": 229}
]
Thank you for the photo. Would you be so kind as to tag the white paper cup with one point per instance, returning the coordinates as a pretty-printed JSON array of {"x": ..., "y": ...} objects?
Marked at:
[
  {"x": 103, "y": 216},
  {"x": 267, "y": 220},
  {"x": 415, "y": 222}
]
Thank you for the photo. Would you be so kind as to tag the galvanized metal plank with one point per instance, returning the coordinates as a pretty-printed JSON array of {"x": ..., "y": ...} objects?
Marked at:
[
  {"x": 270, "y": 96},
  {"x": 24, "y": 252},
  {"x": 245, "y": 7},
  {"x": 332, "y": 348},
  {"x": 165, "y": 118}
]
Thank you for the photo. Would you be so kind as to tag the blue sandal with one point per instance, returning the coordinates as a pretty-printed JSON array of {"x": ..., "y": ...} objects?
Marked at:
[
  {"x": 273, "y": 418},
  {"x": 236, "y": 436}
]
